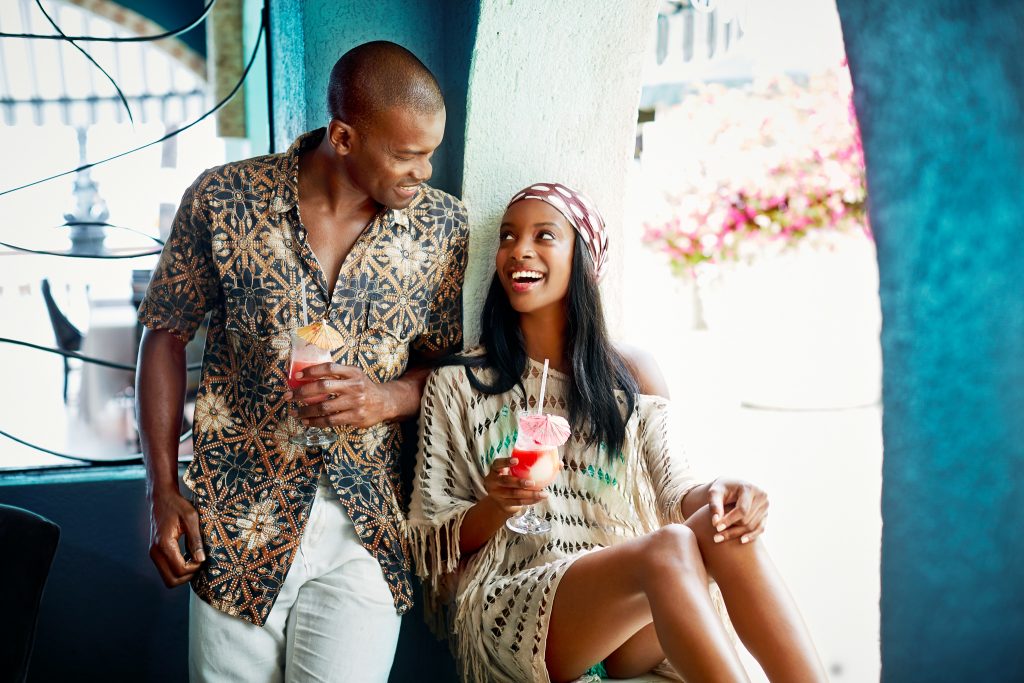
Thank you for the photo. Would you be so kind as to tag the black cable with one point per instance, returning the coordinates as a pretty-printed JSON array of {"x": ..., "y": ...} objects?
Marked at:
[
  {"x": 136, "y": 457},
  {"x": 39, "y": 4},
  {"x": 64, "y": 254},
  {"x": 168, "y": 136},
  {"x": 71, "y": 224},
  {"x": 104, "y": 224},
  {"x": 132, "y": 459},
  {"x": 119, "y": 39},
  {"x": 271, "y": 137},
  {"x": 85, "y": 359}
]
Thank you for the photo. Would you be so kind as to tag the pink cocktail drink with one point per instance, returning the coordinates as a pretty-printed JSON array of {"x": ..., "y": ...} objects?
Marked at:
[
  {"x": 536, "y": 462},
  {"x": 304, "y": 356},
  {"x": 297, "y": 367}
]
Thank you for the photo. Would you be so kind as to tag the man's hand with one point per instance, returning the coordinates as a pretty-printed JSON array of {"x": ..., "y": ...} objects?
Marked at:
[
  {"x": 173, "y": 516},
  {"x": 341, "y": 395},
  {"x": 508, "y": 492}
]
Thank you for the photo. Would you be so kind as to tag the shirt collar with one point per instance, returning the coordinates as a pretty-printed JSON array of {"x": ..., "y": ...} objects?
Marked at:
[{"x": 286, "y": 184}]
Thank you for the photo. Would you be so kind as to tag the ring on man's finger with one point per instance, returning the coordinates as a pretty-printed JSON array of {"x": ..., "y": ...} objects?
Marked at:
[{"x": 332, "y": 396}]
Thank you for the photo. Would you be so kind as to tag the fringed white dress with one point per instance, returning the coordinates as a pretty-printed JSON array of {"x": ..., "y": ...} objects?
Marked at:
[{"x": 498, "y": 600}]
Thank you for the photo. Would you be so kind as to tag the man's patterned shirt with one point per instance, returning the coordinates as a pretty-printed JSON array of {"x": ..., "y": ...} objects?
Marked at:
[{"x": 238, "y": 250}]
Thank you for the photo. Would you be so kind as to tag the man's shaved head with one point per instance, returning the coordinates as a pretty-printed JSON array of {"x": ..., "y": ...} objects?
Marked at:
[{"x": 374, "y": 77}]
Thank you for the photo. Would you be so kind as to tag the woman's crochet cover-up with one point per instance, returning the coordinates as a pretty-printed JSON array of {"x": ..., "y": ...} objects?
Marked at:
[{"x": 498, "y": 600}]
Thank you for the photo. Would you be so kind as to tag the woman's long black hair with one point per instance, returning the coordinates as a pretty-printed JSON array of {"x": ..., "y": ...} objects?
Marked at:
[{"x": 597, "y": 368}]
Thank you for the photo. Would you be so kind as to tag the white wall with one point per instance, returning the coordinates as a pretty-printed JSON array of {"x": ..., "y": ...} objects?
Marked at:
[{"x": 553, "y": 95}]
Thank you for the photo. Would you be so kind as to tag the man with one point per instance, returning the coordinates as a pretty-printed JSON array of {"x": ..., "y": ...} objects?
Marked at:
[{"x": 295, "y": 554}]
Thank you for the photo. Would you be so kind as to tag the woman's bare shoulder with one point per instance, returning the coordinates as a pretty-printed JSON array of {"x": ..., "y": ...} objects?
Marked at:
[{"x": 645, "y": 369}]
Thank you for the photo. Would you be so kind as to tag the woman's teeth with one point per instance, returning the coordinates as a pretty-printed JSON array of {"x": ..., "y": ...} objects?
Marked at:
[{"x": 526, "y": 276}]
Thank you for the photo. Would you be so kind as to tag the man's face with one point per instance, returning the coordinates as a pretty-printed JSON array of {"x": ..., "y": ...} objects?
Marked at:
[{"x": 390, "y": 157}]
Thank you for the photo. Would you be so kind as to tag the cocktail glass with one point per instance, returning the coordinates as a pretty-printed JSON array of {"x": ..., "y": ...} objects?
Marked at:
[
  {"x": 305, "y": 355},
  {"x": 540, "y": 463}
]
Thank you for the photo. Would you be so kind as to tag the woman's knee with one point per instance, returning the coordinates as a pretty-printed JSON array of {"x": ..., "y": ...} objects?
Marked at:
[
  {"x": 671, "y": 549},
  {"x": 700, "y": 524}
]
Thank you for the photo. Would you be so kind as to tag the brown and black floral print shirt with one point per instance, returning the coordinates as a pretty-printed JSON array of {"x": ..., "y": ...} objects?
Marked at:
[{"x": 238, "y": 251}]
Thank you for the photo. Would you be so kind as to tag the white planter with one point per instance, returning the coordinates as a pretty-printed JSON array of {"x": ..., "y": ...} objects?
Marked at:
[{"x": 802, "y": 325}]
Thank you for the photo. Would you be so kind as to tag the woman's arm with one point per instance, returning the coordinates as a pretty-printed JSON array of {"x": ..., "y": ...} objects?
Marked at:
[
  {"x": 738, "y": 508},
  {"x": 506, "y": 496}
]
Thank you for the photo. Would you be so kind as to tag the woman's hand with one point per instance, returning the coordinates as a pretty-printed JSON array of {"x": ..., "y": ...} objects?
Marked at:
[
  {"x": 747, "y": 509},
  {"x": 508, "y": 492}
]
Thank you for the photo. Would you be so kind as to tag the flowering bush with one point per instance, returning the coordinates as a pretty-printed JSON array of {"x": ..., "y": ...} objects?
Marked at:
[{"x": 762, "y": 167}]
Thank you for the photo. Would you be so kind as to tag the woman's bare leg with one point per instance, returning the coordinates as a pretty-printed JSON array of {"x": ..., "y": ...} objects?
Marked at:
[
  {"x": 760, "y": 606},
  {"x": 636, "y": 656},
  {"x": 608, "y": 597}
]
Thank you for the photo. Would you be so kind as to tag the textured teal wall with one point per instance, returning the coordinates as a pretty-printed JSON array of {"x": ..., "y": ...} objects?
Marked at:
[
  {"x": 310, "y": 36},
  {"x": 940, "y": 92},
  {"x": 288, "y": 71}
]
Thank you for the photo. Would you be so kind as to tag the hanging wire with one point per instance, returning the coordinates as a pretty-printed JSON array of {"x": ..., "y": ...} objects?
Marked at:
[
  {"x": 134, "y": 458},
  {"x": 71, "y": 41},
  {"x": 102, "y": 224},
  {"x": 119, "y": 39},
  {"x": 85, "y": 359},
  {"x": 168, "y": 136},
  {"x": 131, "y": 459}
]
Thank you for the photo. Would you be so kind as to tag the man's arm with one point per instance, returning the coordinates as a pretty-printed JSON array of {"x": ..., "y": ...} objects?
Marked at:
[
  {"x": 361, "y": 402},
  {"x": 160, "y": 392},
  {"x": 404, "y": 394}
]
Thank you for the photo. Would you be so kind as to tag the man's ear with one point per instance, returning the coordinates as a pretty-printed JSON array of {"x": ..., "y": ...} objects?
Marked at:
[{"x": 341, "y": 136}]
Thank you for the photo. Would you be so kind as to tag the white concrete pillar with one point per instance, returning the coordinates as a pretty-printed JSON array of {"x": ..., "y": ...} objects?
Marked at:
[{"x": 553, "y": 94}]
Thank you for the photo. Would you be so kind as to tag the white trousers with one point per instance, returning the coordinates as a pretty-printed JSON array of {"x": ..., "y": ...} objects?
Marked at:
[{"x": 334, "y": 620}]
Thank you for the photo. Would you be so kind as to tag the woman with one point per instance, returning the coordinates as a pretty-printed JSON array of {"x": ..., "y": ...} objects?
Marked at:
[{"x": 621, "y": 582}]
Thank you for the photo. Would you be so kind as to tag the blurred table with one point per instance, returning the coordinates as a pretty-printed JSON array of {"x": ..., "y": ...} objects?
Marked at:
[{"x": 111, "y": 336}]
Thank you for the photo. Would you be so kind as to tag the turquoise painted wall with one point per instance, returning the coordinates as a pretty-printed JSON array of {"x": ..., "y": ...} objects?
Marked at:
[
  {"x": 289, "y": 71},
  {"x": 939, "y": 87},
  {"x": 309, "y": 37}
]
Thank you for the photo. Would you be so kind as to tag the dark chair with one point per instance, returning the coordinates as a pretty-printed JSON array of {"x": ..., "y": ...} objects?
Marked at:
[
  {"x": 68, "y": 337},
  {"x": 29, "y": 542}
]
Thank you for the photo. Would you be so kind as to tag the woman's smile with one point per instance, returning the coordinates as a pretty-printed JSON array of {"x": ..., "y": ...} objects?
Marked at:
[{"x": 524, "y": 279}]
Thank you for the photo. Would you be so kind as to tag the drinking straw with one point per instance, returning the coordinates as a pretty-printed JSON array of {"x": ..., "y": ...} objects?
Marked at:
[
  {"x": 305, "y": 311},
  {"x": 543, "y": 385}
]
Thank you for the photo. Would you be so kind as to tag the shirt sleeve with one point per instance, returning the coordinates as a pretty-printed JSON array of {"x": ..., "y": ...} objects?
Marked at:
[
  {"x": 447, "y": 482},
  {"x": 666, "y": 461},
  {"x": 183, "y": 287},
  {"x": 443, "y": 331}
]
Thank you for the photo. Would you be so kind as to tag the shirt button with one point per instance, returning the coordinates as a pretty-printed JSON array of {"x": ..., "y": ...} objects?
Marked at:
[
  {"x": 334, "y": 315},
  {"x": 287, "y": 243}
]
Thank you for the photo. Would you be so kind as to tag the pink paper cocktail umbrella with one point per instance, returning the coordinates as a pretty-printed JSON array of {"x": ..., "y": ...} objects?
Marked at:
[
  {"x": 545, "y": 430},
  {"x": 541, "y": 428}
]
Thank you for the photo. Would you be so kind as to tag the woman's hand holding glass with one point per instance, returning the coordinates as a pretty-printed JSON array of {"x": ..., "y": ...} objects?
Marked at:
[{"x": 507, "y": 491}]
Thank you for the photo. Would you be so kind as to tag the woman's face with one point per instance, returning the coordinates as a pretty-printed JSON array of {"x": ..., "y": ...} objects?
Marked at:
[{"x": 534, "y": 258}]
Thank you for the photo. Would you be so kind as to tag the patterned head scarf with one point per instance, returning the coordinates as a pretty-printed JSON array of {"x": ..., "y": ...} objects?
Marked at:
[{"x": 581, "y": 213}]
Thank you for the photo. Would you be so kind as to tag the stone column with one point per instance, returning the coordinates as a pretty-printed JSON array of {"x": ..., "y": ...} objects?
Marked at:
[{"x": 553, "y": 94}]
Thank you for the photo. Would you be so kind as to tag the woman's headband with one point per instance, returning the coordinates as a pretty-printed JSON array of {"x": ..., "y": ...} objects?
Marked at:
[{"x": 581, "y": 213}]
